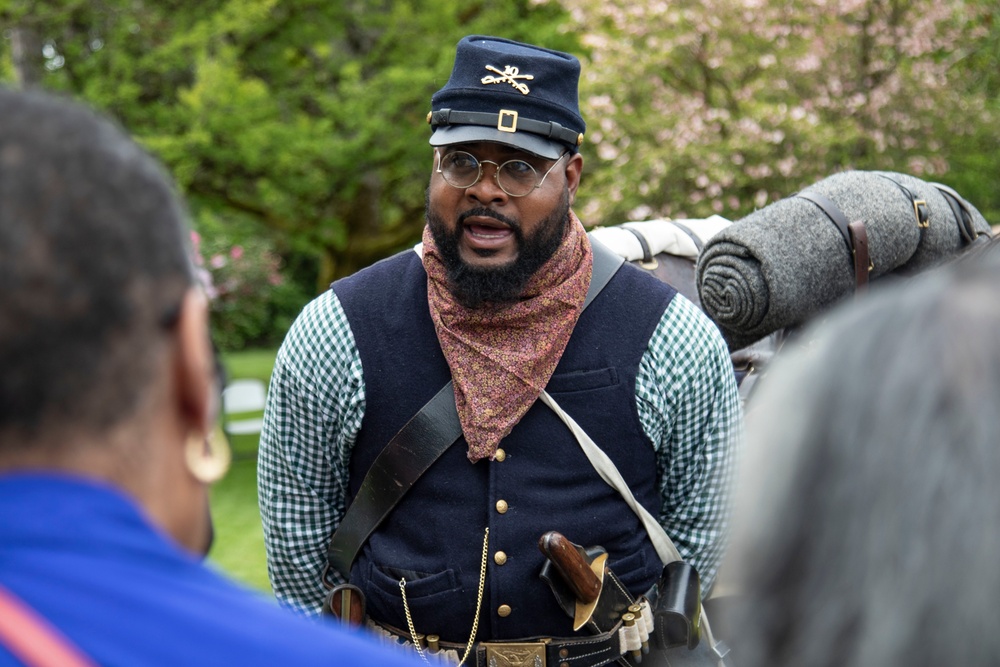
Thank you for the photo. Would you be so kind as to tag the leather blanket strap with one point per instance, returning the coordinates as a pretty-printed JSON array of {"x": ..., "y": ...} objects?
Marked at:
[
  {"x": 416, "y": 447},
  {"x": 920, "y": 210},
  {"x": 698, "y": 243},
  {"x": 961, "y": 212},
  {"x": 647, "y": 261},
  {"x": 862, "y": 260},
  {"x": 855, "y": 235}
]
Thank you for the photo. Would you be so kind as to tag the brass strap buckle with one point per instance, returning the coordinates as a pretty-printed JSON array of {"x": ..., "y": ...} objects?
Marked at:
[
  {"x": 507, "y": 121},
  {"x": 923, "y": 216},
  {"x": 515, "y": 654}
]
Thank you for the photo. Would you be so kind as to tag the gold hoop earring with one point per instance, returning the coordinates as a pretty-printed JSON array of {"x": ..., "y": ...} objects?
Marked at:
[{"x": 208, "y": 458}]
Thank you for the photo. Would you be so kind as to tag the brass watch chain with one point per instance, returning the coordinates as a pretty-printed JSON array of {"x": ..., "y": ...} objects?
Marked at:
[{"x": 475, "y": 621}]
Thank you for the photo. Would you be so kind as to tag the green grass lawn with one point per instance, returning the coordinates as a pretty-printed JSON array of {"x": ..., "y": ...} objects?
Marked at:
[{"x": 238, "y": 549}]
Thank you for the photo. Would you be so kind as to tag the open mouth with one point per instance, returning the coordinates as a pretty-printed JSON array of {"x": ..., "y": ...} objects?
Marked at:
[{"x": 486, "y": 232}]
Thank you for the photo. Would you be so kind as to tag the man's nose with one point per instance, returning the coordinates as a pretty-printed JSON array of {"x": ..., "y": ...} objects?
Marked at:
[{"x": 487, "y": 188}]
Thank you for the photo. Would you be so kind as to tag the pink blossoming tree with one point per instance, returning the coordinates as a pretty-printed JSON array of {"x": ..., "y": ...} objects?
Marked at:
[{"x": 722, "y": 106}]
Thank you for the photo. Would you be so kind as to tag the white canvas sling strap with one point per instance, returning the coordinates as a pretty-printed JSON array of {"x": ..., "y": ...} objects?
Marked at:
[{"x": 606, "y": 468}]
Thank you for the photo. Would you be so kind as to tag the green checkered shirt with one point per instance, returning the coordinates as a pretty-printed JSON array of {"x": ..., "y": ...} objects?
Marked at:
[{"x": 685, "y": 392}]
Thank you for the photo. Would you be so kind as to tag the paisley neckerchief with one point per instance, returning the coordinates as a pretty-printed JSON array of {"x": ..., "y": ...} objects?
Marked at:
[{"x": 502, "y": 356}]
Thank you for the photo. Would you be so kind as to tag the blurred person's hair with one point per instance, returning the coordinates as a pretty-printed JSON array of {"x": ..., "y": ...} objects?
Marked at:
[
  {"x": 92, "y": 270},
  {"x": 869, "y": 521}
]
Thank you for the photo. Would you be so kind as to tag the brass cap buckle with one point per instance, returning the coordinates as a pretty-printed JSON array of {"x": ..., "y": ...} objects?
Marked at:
[{"x": 507, "y": 120}]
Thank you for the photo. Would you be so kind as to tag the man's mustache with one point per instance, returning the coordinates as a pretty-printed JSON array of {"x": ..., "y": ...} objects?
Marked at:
[{"x": 484, "y": 212}]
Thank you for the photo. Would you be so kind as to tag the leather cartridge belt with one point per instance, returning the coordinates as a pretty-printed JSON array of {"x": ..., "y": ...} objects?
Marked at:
[{"x": 583, "y": 651}]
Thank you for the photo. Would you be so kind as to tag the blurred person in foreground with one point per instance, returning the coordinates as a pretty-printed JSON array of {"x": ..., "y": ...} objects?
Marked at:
[
  {"x": 868, "y": 521},
  {"x": 108, "y": 394}
]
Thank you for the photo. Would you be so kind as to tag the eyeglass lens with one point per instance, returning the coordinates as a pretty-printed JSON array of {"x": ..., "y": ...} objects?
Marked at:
[{"x": 462, "y": 170}]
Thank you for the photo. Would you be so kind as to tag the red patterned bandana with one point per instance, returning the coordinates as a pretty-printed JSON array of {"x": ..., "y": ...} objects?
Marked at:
[{"x": 501, "y": 357}]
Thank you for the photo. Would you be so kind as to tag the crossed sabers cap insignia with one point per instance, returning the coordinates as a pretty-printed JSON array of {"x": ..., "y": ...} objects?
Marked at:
[{"x": 510, "y": 74}]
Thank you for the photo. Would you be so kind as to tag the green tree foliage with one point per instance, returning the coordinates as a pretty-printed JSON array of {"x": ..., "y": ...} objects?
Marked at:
[
  {"x": 305, "y": 118},
  {"x": 975, "y": 152}
]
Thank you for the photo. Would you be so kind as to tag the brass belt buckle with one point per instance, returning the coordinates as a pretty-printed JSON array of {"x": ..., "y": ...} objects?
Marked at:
[{"x": 515, "y": 654}]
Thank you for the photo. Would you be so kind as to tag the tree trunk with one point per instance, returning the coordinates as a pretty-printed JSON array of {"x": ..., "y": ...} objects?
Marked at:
[{"x": 26, "y": 49}]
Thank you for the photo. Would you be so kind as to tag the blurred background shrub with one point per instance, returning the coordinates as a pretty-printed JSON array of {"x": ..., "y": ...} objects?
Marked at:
[{"x": 252, "y": 302}]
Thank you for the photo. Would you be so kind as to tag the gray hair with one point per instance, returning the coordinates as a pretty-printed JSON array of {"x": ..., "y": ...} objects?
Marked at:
[{"x": 869, "y": 524}]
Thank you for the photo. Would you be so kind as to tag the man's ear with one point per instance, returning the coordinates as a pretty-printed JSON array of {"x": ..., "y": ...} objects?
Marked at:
[
  {"x": 574, "y": 169},
  {"x": 194, "y": 364}
]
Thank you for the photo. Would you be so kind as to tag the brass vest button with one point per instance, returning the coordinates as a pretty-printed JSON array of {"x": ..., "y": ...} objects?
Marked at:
[
  {"x": 502, "y": 506},
  {"x": 499, "y": 558},
  {"x": 500, "y": 455},
  {"x": 503, "y": 610}
]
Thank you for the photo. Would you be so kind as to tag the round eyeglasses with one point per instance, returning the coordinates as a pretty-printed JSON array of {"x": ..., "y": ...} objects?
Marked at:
[{"x": 515, "y": 177}]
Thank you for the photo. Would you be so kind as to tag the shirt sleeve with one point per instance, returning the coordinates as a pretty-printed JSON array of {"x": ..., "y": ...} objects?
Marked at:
[
  {"x": 689, "y": 407},
  {"x": 315, "y": 404}
]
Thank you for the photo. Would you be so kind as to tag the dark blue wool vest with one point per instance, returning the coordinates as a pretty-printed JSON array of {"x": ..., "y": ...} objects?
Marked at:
[{"x": 434, "y": 537}]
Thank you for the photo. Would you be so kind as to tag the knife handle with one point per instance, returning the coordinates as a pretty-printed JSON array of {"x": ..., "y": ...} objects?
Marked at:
[{"x": 569, "y": 561}]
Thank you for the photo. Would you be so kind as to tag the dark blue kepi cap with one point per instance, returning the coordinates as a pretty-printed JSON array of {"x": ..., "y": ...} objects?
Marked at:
[{"x": 510, "y": 93}]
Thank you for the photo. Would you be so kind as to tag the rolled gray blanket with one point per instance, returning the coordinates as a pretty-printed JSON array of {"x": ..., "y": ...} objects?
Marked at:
[{"x": 787, "y": 262}]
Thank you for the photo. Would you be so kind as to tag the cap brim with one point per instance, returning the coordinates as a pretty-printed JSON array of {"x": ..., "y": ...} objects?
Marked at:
[{"x": 525, "y": 141}]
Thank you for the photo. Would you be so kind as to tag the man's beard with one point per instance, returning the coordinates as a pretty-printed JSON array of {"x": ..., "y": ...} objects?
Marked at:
[{"x": 473, "y": 286}]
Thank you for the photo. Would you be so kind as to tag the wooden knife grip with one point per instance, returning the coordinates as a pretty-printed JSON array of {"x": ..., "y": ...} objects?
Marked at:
[
  {"x": 347, "y": 603},
  {"x": 574, "y": 568}
]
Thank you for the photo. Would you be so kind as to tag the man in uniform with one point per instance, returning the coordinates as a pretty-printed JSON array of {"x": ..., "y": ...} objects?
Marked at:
[{"x": 493, "y": 300}]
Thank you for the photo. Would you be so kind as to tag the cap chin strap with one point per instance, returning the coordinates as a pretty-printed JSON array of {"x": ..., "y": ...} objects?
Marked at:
[{"x": 506, "y": 121}]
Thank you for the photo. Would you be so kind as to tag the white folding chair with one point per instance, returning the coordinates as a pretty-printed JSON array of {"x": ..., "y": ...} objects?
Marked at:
[{"x": 241, "y": 397}]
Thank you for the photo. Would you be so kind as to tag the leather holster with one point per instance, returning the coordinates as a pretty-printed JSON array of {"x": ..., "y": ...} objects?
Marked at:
[{"x": 677, "y": 612}]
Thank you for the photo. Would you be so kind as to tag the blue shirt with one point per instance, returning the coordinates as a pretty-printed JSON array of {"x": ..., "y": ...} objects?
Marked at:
[{"x": 83, "y": 556}]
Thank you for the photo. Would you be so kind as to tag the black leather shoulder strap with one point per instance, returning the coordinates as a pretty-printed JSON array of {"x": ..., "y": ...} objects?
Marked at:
[
  {"x": 417, "y": 446},
  {"x": 606, "y": 265},
  {"x": 407, "y": 456}
]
